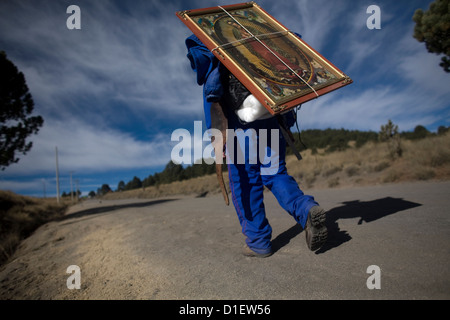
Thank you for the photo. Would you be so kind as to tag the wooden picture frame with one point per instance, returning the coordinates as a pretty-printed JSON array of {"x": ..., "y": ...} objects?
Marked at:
[{"x": 273, "y": 63}]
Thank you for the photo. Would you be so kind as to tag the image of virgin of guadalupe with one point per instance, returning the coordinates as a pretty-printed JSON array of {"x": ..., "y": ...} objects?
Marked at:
[
  {"x": 281, "y": 70},
  {"x": 283, "y": 66},
  {"x": 271, "y": 57}
]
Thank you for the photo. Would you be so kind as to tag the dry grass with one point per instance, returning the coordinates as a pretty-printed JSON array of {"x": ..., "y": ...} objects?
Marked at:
[
  {"x": 200, "y": 186},
  {"x": 20, "y": 216},
  {"x": 371, "y": 164}
]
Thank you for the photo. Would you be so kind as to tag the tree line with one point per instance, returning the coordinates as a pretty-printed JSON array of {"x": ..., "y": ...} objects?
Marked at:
[
  {"x": 171, "y": 173},
  {"x": 330, "y": 140},
  {"x": 339, "y": 139}
]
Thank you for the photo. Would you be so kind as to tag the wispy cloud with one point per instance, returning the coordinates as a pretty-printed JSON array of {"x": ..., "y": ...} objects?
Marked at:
[
  {"x": 89, "y": 148},
  {"x": 395, "y": 77},
  {"x": 368, "y": 109},
  {"x": 118, "y": 69},
  {"x": 112, "y": 92},
  {"x": 138, "y": 58}
]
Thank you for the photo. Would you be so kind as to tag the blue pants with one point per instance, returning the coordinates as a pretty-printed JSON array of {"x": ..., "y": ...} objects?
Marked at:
[{"x": 249, "y": 174}]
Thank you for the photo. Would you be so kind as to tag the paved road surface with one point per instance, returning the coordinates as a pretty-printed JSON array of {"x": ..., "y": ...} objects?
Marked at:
[{"x": 180, "y": 248}]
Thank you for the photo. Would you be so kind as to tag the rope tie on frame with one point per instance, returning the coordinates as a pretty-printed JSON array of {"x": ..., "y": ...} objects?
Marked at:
[{"x": 252, "y": 36}]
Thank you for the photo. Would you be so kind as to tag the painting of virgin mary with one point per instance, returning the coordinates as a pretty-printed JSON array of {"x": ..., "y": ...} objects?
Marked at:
[{"x": 276, "y": 65}]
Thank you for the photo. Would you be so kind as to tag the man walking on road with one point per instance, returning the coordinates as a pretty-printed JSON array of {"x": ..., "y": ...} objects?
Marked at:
[{"x": 249, "y": 174}]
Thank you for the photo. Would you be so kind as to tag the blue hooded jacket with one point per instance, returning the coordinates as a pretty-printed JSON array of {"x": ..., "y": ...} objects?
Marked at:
[
  {"x": 209, "y": 71},
  {"x": 207, "y": 67}
]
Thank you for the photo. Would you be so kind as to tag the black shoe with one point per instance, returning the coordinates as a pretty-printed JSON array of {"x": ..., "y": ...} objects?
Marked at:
[
  {"x": 246, "y": 251},
  {"x": 315, "y": 230}
]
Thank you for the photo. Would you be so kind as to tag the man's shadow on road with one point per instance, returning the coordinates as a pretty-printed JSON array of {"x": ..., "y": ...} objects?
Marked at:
[
  {"x": 367, "y": 211},
  {"x": 112, "y": 208}
]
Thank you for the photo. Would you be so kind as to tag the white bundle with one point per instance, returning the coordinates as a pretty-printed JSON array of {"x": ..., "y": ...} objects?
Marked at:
[{"x": 251, "y": 110}]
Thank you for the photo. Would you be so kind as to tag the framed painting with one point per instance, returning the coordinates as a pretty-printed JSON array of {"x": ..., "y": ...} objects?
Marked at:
[{"x": 273, "y": 63}]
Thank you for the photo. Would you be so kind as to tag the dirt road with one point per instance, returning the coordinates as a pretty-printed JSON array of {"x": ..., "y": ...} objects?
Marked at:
[{"x": 180, "y": 248}]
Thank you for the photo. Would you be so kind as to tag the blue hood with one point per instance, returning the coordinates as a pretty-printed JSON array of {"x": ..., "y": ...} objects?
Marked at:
[
  {"x": 203, "y": 62},
  {"x": 207, "y": 67}
]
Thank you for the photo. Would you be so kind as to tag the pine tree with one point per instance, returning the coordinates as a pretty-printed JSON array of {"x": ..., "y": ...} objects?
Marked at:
[
  {"x": 16, "y": 107},
  {"x": 389, "y": 133},
  {"x": 433, "y": 28}
]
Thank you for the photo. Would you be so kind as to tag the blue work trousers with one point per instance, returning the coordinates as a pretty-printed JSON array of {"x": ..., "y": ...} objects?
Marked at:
[{"x": 249, "y": 173}]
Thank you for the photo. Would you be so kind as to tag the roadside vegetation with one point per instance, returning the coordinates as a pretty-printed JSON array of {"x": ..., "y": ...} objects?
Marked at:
[
  {"x": 331, "y": 159},
  {"x": 20, "y": 216}
]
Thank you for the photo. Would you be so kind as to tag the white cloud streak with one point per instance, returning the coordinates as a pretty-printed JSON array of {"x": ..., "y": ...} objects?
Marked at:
[
  {"x": 138, "y": 58},
  {"x": 87, "y": 148},
  {"x": 128, "y": 64}
]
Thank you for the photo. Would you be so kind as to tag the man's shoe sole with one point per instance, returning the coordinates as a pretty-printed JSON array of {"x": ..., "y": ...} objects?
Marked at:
[{"x": 316, "y": 231}]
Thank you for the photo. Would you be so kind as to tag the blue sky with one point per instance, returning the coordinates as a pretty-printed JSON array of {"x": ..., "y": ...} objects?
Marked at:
[{"x": 112, "y": 93}]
